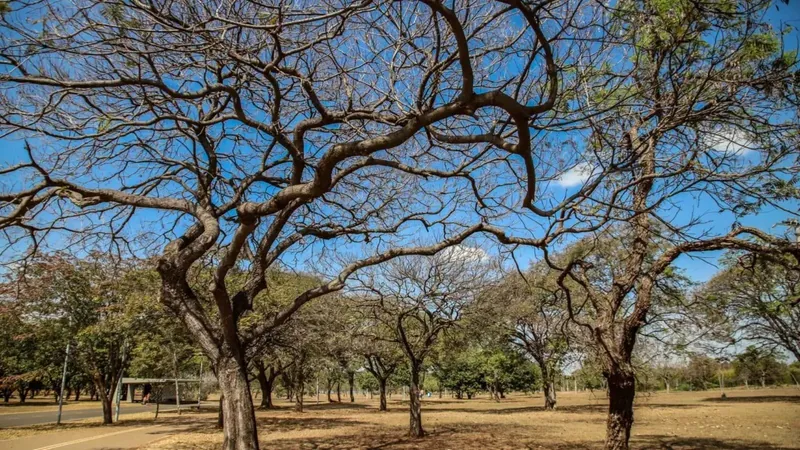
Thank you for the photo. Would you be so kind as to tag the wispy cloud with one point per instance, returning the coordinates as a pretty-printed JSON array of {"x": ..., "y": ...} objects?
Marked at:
[
  {"x": 729, "y": 142},
  {"x": 576, "y": 176}
]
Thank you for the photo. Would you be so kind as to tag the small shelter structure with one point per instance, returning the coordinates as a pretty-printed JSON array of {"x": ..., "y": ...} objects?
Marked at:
[{"x": 188, "y": 389}]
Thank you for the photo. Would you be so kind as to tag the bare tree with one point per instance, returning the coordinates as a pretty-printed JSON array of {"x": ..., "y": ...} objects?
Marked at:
[
  {"x": 267, "y": 372},
  {"x": 209, "y": 134},
  {"x": 534, "y": 313},
  {"x": 754, "y": 300},
  {"x": 415, "y": 299},
  {"x": 382, "y": 365}
]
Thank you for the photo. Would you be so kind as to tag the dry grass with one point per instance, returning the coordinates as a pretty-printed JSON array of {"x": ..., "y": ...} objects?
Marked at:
[{"x": 759, "y": 419}]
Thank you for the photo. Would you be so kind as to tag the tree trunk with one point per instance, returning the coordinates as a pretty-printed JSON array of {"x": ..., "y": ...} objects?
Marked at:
[
  {"x": 238, "y": 414},
  {"x": 23, "y": 394},
  {"x": 415, "y": 428},
  {"x": 621, "y": 391},
  {"x": 266, "y": 389},
  {"x": 7, "y": 395},
  {"x": 548, "y": 386},
  {"x": 351, "y": 380},
  {"x": 77, "y": 393},
  {"x": 339, "y": 392},
  {"x": 549, "y": 394},
  {"x": 298, "y": 404},
  {"x": 382, "y": 388},
  {"x": 220, "y": 422},
  {"x": 105, "y": 400}
]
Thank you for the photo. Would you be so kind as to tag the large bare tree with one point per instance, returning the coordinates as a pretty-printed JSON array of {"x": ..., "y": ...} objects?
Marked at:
[
  {"x": 703, "y": 135},
  {"x": 246, "y": 134},
  {"x": 238, "y": 135}
]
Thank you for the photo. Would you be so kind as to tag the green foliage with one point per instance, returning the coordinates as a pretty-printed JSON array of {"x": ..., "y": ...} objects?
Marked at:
[
  {"x": 755, "y": 364},
  {"x": 759, "y": 46},
  {"x": 499, "y": 370},
  {"x": 367, "y": 382}
]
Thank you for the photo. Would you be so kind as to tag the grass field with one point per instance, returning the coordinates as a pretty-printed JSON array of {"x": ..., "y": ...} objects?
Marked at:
[
  {"x": 746, "y": 420},
  {"x": 757, "y": 419}
]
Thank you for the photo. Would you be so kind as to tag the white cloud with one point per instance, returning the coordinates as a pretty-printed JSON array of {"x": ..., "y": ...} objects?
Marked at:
[
  {"x": 575, "y": 176},
  {"x": 466, "y": 253},
  {"x": 729, "y": 142}
]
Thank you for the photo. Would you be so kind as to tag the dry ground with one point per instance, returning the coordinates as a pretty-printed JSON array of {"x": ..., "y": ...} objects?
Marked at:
[{"x": 757, "y": 419}]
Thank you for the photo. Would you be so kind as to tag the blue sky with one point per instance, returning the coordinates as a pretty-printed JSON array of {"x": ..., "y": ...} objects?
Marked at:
[{"x": 698, "y": 268}]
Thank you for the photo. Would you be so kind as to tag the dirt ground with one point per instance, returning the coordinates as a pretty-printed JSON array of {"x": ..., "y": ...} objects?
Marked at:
[{"x": 756, "y": 419}]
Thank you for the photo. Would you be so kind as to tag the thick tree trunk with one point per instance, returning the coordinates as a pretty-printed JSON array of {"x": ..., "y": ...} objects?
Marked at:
[
  {"x": 339, "y": 392},
  {"x": 238, "y": 413},
  {"x": 382, "y": 388},
  {"x": 7, "y": 395},
  {"x": 621, "y": 391},
  {"x": 77, "y": 394},
  {"x": 415, "y": 409},
  {"x": 351, "y": 380}
]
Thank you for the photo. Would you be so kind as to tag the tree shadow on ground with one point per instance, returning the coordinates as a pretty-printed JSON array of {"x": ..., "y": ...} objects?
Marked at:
[
  {"x": 656, "y": 442},
  {"x": 429, "y": 402},
  {"x": 333, "y": 406},
  {"x": 756, "y": 399},
  {"x": 465, "y": 435},
  {"x": 283, "y": 424},
  {"x": 572, "y": 409}
]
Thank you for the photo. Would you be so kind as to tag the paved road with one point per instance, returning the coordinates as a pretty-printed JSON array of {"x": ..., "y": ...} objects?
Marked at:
[
  {"x": 36, "y": 418},
  {"x": 112, "y": 438}
]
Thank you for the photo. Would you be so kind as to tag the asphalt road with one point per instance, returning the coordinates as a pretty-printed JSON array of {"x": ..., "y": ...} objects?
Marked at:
[
  {"x": 99, "y": 438},
  {"x": 36, "y": 418}
]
